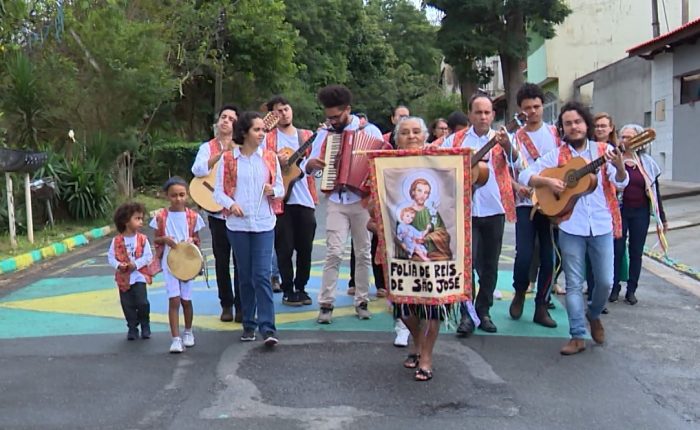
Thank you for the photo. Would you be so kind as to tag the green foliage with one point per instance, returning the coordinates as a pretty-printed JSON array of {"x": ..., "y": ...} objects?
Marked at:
[
  {"x": 20, "y": 95},
  {"x": 436, "y": 105},
  {"x": 84, "y": 188},
  {"x": 156, "y": 163},
  {"x": 477, "y": 29}
]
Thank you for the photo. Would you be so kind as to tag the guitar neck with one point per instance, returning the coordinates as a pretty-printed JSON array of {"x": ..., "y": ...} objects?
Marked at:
[
  {"x": 480, "y": 154},
  {"x": 302, "y": 149},
  {"x": 590, "y": 167},
  {"x": 511, "y": 126}
]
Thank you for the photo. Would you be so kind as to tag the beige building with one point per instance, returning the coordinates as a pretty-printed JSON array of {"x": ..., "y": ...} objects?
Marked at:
[{"x": 596, "y": 34}]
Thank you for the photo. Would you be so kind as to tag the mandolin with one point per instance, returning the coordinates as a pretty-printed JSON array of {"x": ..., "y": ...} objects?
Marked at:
[
  {"x": 202, "y": 188},
  {"x": 480, "y": 168},
  {"x": 579, "y": 177}
]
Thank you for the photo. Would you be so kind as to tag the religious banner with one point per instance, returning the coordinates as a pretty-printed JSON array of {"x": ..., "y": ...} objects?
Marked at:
[{"x": 422, "y": 209}]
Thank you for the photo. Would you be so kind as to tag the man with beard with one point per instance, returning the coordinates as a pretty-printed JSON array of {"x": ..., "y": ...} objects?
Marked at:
[
  {"x": 208, "y": 155},
  {"x": 345, "y": 211},
  {"x": 590, "y": 227},
  {"x": 296, "y": 227}
]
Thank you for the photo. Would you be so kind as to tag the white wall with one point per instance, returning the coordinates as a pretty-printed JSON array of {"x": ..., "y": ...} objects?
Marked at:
[
  {"x": 598, "y": 33},
  {"x": 662, "y": 89}
]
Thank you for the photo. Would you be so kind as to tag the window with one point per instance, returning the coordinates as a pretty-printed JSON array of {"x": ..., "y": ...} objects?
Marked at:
[
  {"x": 690, "y": 88},
  {"x": 550, "y": 113}
]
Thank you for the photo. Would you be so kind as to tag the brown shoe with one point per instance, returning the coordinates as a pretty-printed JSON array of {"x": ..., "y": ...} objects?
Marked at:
[
  {"x": 226, "y": 314},
  {"x": 597, "y": 331},
  {"x": 573, "y": 347},
  {"x": 239, "y": 316},
  {"x": 381, "y": 292},
  {"x": 516, "y": 306},
  {"x": 542, "y": 317}
]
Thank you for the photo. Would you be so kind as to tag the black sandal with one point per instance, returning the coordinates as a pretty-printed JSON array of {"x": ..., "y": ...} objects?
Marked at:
[
  {"x": 423, "y": 375},
  {"x": 411, "y": 361}
]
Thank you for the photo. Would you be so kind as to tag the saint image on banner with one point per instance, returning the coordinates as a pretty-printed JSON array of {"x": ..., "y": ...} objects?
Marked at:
[
  {"x": 421, "y": 229},
  {"x": 423, "y": 201}
]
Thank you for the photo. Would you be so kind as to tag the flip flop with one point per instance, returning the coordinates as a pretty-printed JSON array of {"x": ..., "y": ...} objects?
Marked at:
[
  {"x": 411, "y": 361},
  {"x": 423, "y": 375}
]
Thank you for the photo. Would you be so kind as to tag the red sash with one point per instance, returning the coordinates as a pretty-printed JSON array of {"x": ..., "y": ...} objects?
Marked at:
[
  {"x": 608, "y": 188},
  {"x": 271, "y": 139},
  {"x": 231, "y": 178},
  {"x": 123, "y": 279},
  {"x": 529, "y": 145},
  {"x": 214, "y": 147},
  {"x": 500, "y": 168}
]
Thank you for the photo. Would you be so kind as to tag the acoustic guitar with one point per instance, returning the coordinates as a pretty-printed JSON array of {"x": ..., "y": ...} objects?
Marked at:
[
  {"x": 291, "y": 172},
  {"x": 202, "y": 188},
  {"x": 480, "y": 168},
  {"x": 579, "y": 177}
]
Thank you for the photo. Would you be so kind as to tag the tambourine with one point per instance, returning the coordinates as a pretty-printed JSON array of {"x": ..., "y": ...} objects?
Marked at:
[{"x": 185, "y": 261}]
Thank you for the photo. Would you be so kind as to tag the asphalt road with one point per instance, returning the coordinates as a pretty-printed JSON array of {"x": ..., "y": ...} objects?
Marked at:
[{"x": 65, "y": 364}]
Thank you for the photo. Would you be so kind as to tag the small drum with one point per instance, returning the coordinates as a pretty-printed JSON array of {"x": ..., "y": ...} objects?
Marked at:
[{"x": 185, "y": 261}]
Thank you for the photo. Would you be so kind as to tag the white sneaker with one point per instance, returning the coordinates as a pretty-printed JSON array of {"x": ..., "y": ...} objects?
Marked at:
[
  {"x": 402, "y": 334},
  {"x": 188, "y": 339},
  {"x": 177, "y": 347}
]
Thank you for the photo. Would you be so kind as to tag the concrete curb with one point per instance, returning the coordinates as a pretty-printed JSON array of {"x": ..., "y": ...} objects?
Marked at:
[
  {"x": 673, "y": 264},
  {"x": 26, "y": 260}
]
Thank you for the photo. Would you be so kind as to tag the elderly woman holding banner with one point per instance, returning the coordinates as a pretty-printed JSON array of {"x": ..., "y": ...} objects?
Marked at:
[{"x": 423, "y": 321}]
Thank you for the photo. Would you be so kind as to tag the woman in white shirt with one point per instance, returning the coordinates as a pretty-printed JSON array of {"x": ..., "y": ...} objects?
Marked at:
[{"x": 249, "y": 187}]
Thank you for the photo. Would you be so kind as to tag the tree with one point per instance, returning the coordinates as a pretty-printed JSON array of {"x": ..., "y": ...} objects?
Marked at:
[{"x": 475, "y": 29}]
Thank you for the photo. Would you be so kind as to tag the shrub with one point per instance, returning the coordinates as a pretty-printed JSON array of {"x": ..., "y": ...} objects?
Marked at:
[
  {"x": 156, "y": 163},
  {"x": 84, "y": 188}
]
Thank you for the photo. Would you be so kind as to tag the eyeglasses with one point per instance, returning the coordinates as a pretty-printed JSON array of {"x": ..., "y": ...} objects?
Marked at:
[{"x": 442, "y": 128}]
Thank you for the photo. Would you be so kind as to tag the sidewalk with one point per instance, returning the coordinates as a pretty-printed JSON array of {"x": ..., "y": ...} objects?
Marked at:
[
  {"x": 682, "y": 207},
  {"x": 676, "y": 190}
]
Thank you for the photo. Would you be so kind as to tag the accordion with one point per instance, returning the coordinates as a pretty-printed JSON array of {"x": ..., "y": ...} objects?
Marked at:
[{"x": 347, "y": 164}]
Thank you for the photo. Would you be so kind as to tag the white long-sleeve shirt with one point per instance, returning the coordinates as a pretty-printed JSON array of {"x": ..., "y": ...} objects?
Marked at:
[
  {"x": 591, "y": 216},
  {"x": 200, "y": 168},
  {"x": 253, "y": 174},
  {"x": 144, "y": 260},
  {"x": 544, "y": 141},
  {"x": 300, "y": 193},
  {"x": 345, "y": 197}
]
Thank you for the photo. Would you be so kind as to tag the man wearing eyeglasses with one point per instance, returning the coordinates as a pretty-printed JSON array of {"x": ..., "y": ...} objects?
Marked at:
[{"x": 344, "y": 211}]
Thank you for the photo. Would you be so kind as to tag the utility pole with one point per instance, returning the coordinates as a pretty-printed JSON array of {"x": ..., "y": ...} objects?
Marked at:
[
  {"x": 684, "y": 12},
  {"x": 219, "y": 73},
  {"x": 655, "y": 18}
]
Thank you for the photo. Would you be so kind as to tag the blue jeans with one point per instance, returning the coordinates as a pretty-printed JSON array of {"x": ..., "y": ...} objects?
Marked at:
[
  {"x": 600, "y": 251},
  {"x": 253, "y": 253},
  {"x": 526, "y": 231},
  {"x": 274, "y": 268}
]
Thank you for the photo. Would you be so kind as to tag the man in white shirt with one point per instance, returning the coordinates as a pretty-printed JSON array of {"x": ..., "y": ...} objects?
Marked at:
[
  {"x": 534, "y": 140},
  {"x": 345, "y": 212},
  {"x": 208, "y": 156},
  {"x": 492, "y": 205},
  {"x": 590, "y": 227},
  {"x": 296, "y": 227}
]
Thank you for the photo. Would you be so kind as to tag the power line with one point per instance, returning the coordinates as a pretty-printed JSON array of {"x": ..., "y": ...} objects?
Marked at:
[{"x": 663, "y": 4}]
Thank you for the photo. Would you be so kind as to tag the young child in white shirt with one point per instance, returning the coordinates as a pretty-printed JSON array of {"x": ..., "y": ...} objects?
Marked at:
[
  {"x": 130, "y": 255},
  {"x": 173, "y": 225}
]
